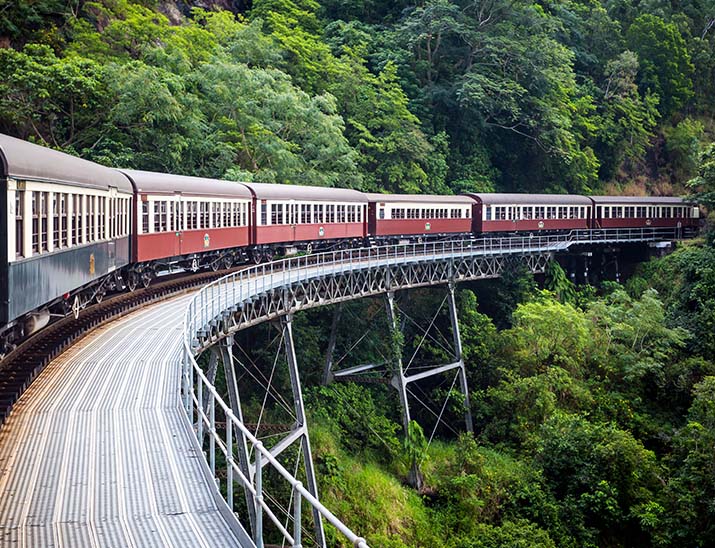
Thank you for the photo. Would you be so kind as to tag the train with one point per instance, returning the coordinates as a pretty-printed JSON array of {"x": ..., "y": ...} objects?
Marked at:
[{"x": 76, "y": 230}]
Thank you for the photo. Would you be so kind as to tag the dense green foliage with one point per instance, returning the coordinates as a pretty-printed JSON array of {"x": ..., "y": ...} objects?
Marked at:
[{"x": 432, "y": 96}]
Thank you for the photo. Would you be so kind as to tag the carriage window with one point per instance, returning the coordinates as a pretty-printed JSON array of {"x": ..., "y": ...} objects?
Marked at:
[
  {"x": 19, "y": 206},
  {"x": 157, "y": 217},
  {"x": 304, "y": 213},
  {"x": 667, "y": 212},
  {"x": 91, "y": 208},
  {"x": 629, "y": 212},
  {"x": 56, "y": 223},
  {"x": 193, "y": 215},
  {"x": 276, "y": 214},
  {"x": 87, "y": 219},
  {"x": 63, "y": 199},
  {"x": 264, "y": 213},
  {"x": 76, "y": 213},
  {"x": 44, "y": 211},
  {"x": 215, "y": 214},
  {"x": 318, "y": 212},
  {"x": 35, "y": 222},
  {"x": 226, "y": 214}
]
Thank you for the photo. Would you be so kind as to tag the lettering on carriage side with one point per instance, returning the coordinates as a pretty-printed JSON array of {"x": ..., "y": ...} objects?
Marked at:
[{"x": 92, "y": 265}]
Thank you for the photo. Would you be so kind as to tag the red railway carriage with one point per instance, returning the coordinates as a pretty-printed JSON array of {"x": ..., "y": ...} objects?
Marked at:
[
  {"x": 178, "y": 215},
  {"x": 531, "y": 212},
  {"x": 290, "y": 214},
  {"x": 644, "y": 211},
  {"x": 415, "y": 214}
]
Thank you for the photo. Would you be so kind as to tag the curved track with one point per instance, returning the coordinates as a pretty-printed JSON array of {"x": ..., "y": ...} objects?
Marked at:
[{"x": 98, "y": 452}]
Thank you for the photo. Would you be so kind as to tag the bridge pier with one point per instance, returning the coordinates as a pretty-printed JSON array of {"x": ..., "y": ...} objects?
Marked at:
[
  {"x": 225, "y": 350},
  {"x": 400, "y": 380},
  {"x": 301, "y": 428}
]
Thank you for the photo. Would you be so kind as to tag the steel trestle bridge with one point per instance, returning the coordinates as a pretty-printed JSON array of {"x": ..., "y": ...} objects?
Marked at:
[
  {"x": 124, "y": 440},
  {"x": 279, "y": 289}
]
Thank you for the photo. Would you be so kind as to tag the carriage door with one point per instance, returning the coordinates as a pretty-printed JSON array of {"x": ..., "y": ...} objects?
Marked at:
[
  {"x": 372, "y": 218},
  {"x": 293, "y": 208},
  {"x": 177, "y": 221}
]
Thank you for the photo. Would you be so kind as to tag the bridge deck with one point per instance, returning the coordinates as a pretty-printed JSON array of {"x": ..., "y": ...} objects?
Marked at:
[{"x": 98, "y": 452}]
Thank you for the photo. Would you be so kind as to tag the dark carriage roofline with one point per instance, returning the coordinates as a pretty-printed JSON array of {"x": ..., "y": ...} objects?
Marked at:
[
  {"x": 530, "y": 199},
  {"x": 151, "y": 182},
  {"x": 271, "y": 191},
  {"x": 640, "y": 200},
  {"x": 419, "y": 198},
  {"x": 29, "y": 162}
]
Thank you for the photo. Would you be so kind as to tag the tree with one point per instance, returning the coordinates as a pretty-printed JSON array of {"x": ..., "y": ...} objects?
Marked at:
[
  {"x": 559, "y": 284},
  {"x": 692, "y": 488},
  {"x": 665, "y": 66},
  {"x": 703, "y": 184},
  {"x": 56, "y": 101},
  {"x": 627, "y": 120}
]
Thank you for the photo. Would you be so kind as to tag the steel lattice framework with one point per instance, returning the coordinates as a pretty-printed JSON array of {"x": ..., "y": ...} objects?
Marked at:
[{"x": 277, "y": 290}]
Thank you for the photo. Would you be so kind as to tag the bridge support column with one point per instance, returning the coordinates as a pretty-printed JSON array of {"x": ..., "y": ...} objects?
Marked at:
[
  {"x": 328, "y": 371},
  {"x": 398, "y": 381},
  {"x": 301, "y": 429},
  {"x": 457, "y": 337},
  {"x": 225, "y": 350}
]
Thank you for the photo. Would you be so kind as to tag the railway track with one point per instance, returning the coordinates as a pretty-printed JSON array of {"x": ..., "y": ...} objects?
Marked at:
[{"x": 19, "y": 368}]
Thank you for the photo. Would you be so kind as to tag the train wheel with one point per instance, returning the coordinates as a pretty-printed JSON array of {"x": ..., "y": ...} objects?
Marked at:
[
  {"x": 256, "y": 256},
  {"x": 132, "y": 281},
  {"x": 146, "y": 278},
  {"x": 227, "y": 262},
  {"x": 99, "y": 297},
  {"x": 268, "y": 255},
  {"x": 215, "y": 264}
]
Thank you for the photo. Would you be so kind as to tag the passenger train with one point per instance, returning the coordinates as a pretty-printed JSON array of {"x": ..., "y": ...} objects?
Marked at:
[{"x": 75, "y": 230}]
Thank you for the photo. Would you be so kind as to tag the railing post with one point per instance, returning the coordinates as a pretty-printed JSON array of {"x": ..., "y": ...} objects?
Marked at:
[
  {"x": 200, "y": 412},
  {"x": 229, "y": 462},
  {"x": 185, "y": 380},
  {"x": 297, "y": 529},
  {"x": 212, "y": 436},
  {"x": 258, "y": 531}
]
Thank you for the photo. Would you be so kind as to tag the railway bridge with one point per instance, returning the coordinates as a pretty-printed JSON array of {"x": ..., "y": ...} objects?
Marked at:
[{"x": 125, "y": 440}]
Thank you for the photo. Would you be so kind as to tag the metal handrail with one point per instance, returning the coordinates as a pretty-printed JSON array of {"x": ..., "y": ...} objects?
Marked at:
[{"x": 226, "y": 293}]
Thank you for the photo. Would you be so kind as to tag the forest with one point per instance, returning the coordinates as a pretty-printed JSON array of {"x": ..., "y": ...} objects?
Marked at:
[{"x": 594, "y": 405}]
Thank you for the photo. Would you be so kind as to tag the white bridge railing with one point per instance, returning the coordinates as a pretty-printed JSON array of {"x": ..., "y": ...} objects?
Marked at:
[{"x": 203, "y": 403}]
